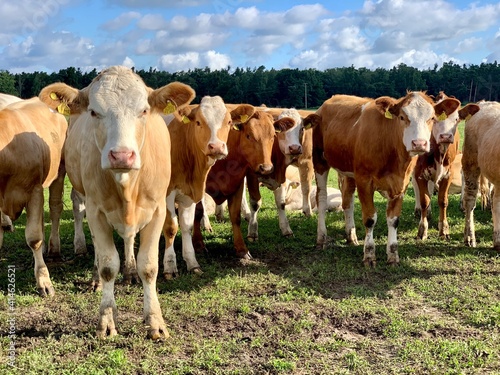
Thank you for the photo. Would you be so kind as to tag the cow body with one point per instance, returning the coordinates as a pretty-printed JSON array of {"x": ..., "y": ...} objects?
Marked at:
[
  {"x": 250, "y": 148},
  {"x": 434, "y": 169},
  {"x": 198, "y": 141},
  {"x": 480, "y": 158},
  {"x": 31, "y": 125},
  {"x": 373, "y": 144},
  {"x": 118, "y": 157}
]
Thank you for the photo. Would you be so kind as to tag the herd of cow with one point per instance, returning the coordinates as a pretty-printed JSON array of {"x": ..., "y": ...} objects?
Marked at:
[{"x": 132, "y": 174}]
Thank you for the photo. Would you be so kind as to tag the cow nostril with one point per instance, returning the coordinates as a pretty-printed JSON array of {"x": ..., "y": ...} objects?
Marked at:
[
  {"x": 295, "y": 149},
  {"x": 266, "y": 168}
]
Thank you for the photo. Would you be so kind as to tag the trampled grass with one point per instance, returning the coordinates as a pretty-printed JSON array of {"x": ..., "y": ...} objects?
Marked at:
[{"x": 292, "y": 310}]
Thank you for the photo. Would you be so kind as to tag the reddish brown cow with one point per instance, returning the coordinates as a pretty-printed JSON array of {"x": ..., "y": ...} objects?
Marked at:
[
  {"x": 434, "y": 169},
  {"x": 250, "y": 147},
  {"x": 372, "y": 143}
]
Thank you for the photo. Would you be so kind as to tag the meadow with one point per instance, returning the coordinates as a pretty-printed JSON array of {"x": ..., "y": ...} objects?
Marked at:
[{"x": 291, "y": 310}]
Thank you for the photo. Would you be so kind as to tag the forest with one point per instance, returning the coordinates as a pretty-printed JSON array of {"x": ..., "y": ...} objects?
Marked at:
[{"x": 307, "y": 88}]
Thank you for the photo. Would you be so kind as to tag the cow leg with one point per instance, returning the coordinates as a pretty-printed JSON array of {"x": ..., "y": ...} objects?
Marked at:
[
  {"x": 369, "y": 216},
  {"x": 205, "y": 220},
  {"x": 425, "y": 202},
  {"x": 79, "y": 242},
  {"x": 6, "y": 223},
  {"x": 321, "y": 201},
  {"x": 443, "y": 226},
  {"x": 34, "y": 238},
  {"x": 186, "y": 220},
  {"x": 306, "y": 173},
  {"x": 245, "y": 209},
  {"x": 56, "y": 191},
  {"x": 129, "y": 265},
  {"x": 198, "y": 244},
  {"x": 394, "y": 207},
  {"x": 255, "y": 204},
  {"x": 170, "y": 229},
  {"x": 495, "y": 211},
  {"x": 234, "y": 204},
  {"x": 279, "y": 198},
  {"x": 219, "y": 211},
  {"x": 147, "y": 265},
  {"x": 348, "y": 189},
  {"x": 471, "y": 185},
  {"x": 108, "y": 262},
  {"x": 416, "y": 190}
]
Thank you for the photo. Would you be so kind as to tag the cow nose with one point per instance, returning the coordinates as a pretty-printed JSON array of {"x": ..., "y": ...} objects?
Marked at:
[
  {"x": 217, "y": 149},
  {"x": 121, "y": 159},
  {"x": 445, "y": 138},
  {"x": 295, "y": 149},
  {"x": 265, "y": 168},
  {"x": 419, "y": 145}
]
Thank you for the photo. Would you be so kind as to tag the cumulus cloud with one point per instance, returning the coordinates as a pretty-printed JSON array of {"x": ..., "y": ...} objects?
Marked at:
[
  {"x": 192, "y": 60},
  {"x": 123, "y": 20}
]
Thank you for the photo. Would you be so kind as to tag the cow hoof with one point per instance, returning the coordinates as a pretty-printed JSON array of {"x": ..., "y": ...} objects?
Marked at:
[
  {"x": 244, "y": 255},
  {"x": 8, "y": 228},
  {"x": 445, "y": 237},
  {"x": 80, "y": 251},
  {"x": 46, "y": 291},
  {"x": 370, "y": 263},
  {"x": 105, "y": 333},
  {"x": 158, "y": 334},
  {"x": 253, "y": 238},
  {"x": 95, "y": 286},
  {"x": 169, "y": 275},
  {"x": 54, "y": 258},
  {"x": 197, "y": 271},
  {"x": 393, "y": 263}
]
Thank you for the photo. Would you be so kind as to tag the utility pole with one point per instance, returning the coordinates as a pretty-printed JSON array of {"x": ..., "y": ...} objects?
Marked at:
[{"x": 305, "y": 95}]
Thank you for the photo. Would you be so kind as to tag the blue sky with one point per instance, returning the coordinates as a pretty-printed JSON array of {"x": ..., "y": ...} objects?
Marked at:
[{"x": 48, "y": 35}]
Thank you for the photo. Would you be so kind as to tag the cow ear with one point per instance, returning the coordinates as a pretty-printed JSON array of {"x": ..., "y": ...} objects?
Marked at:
[
  {"x": 311, "y": 121},
  {"x": 64, "y": 99},
  {"x": 387, "y": 106},
  {"x": 283, "y": 124},
  {"x": 242, "y": 113},
  {"x": 186, "y": 114},
  {"x": 171, "y": 97},
  {"x": 446, "y": 107},
  {"x": 468, "y": 111}
]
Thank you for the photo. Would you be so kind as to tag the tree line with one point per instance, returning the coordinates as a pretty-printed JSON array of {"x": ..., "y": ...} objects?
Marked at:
[{"x": 307, "y": 88}]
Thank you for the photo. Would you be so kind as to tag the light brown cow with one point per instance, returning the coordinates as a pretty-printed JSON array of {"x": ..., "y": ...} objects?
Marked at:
[
  {"x": 118, "y": 156},
  {"x": 481, "y": 157},
  {"x": 434, "y": 169},
  {"x": 198, "y": 141},
  {"x": 29, "y": 125},
  {"x": 373, "y": 144}
]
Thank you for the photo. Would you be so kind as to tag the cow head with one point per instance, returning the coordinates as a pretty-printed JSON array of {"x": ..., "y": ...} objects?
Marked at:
[
  {"x": 257, "y": 137},
  {"x": 416, "y": 114},
  {"x": 117, "y": 106},
  {"x": 290, "y": 142},
  {"x": 213, "y": 122}
]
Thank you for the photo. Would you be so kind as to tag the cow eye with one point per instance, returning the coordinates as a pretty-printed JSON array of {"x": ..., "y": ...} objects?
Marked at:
[
  {"x": 249, "y": 137},
  {"x": 401, "y": 118},
  {"x": 94, "y": 113}
]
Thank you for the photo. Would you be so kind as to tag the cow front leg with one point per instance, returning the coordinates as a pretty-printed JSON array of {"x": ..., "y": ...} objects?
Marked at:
[
  {"x": 170, "y": 229},
  {"x": 234, "y": 204},
  {"x": 348, "y": 188},
  {"x": 495, "y": 210},
  {"x": 147, "y": 265},
  {"x": 56, "y": 191},
  {"x": 321, "y": 202},
  {"x": 198, "y": 243},
  {"x": 279, "y": 198},
  {"x": 369, "y": 216},
  {"x": 79, "y": 242},
  {"x": 425, "y": 203},
  {"x": 394, "y": 207},
  {"x": 306, "y": 174},
  {"x": 129, "y": 266},
  {"x": 471, "y": 185},
  {"x": 443, "y": 226},
  {"x": 255, "y": 204},
  {"x": 108, "y": 265},
  {"x": 186, "y": 220},
  {"x": 34, "y": 239}
]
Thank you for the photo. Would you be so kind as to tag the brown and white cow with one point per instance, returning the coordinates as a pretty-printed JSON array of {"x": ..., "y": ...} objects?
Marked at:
[
  {"x": 198, "y": 141},
  {"x": 373, "y": 144},
  {"x": 29, "y": 125},
  {"x": 118, "y": 156},
  {"x": 250, "y": 145},
  {"x": 481, "y": 158},
  {"x": 434, "y": 169},
  {"x": 293, "y": 147}
]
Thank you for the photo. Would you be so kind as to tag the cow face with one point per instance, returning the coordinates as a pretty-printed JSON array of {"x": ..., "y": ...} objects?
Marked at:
[
  {"x": 290, "y": 142},
  {"x": 447, "y": 120},
  {"x": 117, "y": 107}
]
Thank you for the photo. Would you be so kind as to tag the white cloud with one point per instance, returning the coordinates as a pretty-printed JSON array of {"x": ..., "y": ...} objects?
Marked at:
[
  {"x": 192, "y": 60},
  {"x": 422, "y": 59},
  {"x": 152, "y": 22},
  {"x": 123, "y": 20},
  {"x": 128, "y": 62}
]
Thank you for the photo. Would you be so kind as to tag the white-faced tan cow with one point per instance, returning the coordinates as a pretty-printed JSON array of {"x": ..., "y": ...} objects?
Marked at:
[
  {"x": 198, "y": 141},
  {"x": 250, "y": 146},
  {"x": 434, "y": 169},
  {"x": 481, "y": 155},
  {"x": 293, "y": 147},
  {"x": 31, "y": 145},
  {"x": 118, "y": 156},
  {"x": 373, "y": 144}
]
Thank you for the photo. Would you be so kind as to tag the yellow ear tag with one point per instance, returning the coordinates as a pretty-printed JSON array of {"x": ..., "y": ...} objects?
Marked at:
[
  {"x": 388, "y": 114},
  {"x": 468, "y": 117},
  {"x": 277, "y": 131},
  {"x": 236, "y": 127},
  {"x": 63, "y": 109},
  {"x": 169, "y": 108},
  {"x": 442, "y": 117},
  {"x": 244, "y": 118},
  {"x": 53, "y": 96},
  {"x": 185, "y": 120}
]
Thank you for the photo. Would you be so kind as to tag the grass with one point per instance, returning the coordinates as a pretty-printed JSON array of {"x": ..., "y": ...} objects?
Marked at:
[{"x": 293, "y": 310}]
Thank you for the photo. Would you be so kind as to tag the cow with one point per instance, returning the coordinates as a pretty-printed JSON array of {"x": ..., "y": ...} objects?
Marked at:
[
  {"x": 198, "y": 141},
  {"x": 250, "y": 145},
  {"x": 480, "y": 158},
  {"x": 29, "y": 125},
  {"x": 373, "y": 144},
  {"x": 293, "y": 147},
  {"x": 434, "y": 169},
  {"x": 117, "y": 156}
]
